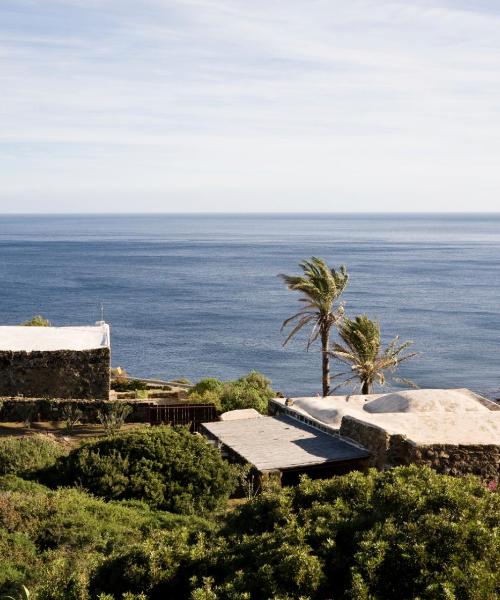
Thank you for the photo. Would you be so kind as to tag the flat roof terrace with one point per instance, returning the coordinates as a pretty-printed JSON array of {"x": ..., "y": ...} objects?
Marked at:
[
  {"x": 282, "y": 443},
  {"x": 20, "y": 338}
]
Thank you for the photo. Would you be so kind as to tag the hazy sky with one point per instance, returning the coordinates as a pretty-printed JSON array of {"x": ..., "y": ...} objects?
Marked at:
[{"x": 241, "y": 105}]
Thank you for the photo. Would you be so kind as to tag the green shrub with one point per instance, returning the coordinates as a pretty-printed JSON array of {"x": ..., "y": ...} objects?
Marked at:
[
  {"x": 113, "y": 415},
  {"x": 207, "y": 385},
  {"x": 156, "y": 566},
  {"x": 25, "y": 455},
  {"x": 26, "y": 412},
  {"x": 169, "y": 468},
  {"x": 207, "y": 397},
  {"x": 37, "y": 321},
  {"x": 52, "y": 541},
  {"x": 128, "y": 385},
  {"x": 250, "y": 391},
  {"x": 71, "y": 415},
  {"x": 405, "y": 533}
]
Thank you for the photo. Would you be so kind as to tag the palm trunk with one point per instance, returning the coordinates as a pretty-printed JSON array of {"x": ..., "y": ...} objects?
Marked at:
[
  {"x": 366, "y": 388},
  {"x": 325, "y": 347}
]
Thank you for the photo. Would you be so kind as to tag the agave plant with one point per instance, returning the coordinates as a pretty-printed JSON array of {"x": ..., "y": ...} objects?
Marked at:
[
  {"x": 24, "y": 594},
  {"x": 321, "y": 287},
  {"x": 362, "y": 351}
]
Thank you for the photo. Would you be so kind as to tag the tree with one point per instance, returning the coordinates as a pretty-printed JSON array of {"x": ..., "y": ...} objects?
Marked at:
[
  {"x": 321, "y": 287},
  {"x": 362, "y": 351}
]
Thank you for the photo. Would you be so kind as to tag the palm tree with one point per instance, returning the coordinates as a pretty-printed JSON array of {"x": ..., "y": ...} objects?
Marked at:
[
  {"x": 321, "y": 286},
  {"x": 363, "y": 353}
]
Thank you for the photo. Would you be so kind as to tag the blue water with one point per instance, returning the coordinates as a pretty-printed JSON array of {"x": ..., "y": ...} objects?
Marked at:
[{"x": 199, "y": 296}]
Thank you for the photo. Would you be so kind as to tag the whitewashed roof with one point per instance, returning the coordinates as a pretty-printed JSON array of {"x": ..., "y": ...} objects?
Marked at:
[
  {"x": 22, "y": 338},
  {"x": 424, "y": 416}
]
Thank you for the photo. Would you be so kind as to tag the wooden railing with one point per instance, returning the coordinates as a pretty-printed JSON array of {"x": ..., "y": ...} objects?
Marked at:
[{"x": 179, "y": 414}]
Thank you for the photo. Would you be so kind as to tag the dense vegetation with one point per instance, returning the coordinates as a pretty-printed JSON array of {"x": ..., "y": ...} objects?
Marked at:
[
  {"x": 54, "y": 541},
  {"x": 169, "y": 468},
  {"x": 26, "y": 456},
  {"x": 405, "y": 533},
  {"x": 250, "y": 391}
]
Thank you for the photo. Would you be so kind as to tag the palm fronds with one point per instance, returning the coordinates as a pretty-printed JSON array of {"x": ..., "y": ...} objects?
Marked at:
[
  {"x": 320, "y": 287},
  {"x": 362, "y": 352}
]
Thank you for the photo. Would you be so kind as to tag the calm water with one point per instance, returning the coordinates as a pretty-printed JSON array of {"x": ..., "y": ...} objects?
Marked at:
[{"x": 198, "y": 295}]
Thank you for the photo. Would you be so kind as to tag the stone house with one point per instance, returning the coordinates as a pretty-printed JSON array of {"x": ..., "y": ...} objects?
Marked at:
[
  {"x": 55, "y": 362},
  {"x": 454, "y": 431}
]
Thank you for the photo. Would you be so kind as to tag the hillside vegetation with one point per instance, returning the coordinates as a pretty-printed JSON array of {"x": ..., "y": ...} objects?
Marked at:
[{"x": 406, "y": 533}]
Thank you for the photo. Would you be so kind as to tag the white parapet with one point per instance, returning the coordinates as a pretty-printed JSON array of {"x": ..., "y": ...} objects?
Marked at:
[{"x": 28, "y": 339}]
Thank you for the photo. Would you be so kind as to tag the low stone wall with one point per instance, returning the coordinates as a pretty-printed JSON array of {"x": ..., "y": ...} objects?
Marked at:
[
  {"x": 480, "y": 460},
  {"x": 393, "y": 450},
  {"x": 373, "y": 438},
  {"x": 56, "y": 374}
]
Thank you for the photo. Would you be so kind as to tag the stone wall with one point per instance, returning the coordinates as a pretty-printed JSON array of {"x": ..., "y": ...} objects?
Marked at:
[
  {"x": 55, "y": 374},
  {"x": 481, "y": 460},
  {"x": 393, "y": 450},
  {"x": 373, "y": 438}
]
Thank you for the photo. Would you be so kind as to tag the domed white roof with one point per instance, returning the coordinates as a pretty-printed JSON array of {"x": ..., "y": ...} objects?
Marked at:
[{"x": 425, "y": 401}]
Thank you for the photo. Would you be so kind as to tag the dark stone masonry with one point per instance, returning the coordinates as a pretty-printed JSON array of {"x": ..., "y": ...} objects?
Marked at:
[
  {"x": 55, "y": 374},
  {"x": 451, "y": 459}
]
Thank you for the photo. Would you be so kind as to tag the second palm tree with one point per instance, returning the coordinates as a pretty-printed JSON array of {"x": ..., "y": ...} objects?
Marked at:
[{"x": 363, "y": 353}]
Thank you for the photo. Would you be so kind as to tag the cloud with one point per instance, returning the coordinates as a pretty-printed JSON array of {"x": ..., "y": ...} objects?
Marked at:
[{"x": 375, "y": 104}]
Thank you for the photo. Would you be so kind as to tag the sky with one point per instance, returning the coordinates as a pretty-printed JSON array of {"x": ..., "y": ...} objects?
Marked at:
[{"x": 238, "y": 105}]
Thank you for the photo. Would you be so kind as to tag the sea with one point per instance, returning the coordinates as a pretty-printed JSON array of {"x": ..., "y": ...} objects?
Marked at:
[{"x": 199, "y": 295}]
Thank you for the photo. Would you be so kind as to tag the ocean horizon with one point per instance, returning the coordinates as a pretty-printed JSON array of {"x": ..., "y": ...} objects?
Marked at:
[{"x": 197, "y": 294}]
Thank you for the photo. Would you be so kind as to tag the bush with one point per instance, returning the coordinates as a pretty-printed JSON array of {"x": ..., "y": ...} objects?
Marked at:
[
  {"x": 155, "y": 566},
  {"x": 112, "y": 417},
  {"x": 169, "y": 468},
  {"x": 128, "y": 385},
  {"x": 250, "y": 391},
  {"x": 53, "y": 541},
  {"x": 24, "y": 456},
  {"x": 207, "y": 397},
  {"x": 71, "y": 415},
  {"x": 207, "y": 385},
  {"x": 405, "y": 533},
  {"x": 37, "y": 321},
  {"x": 26, "y": 412}
]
